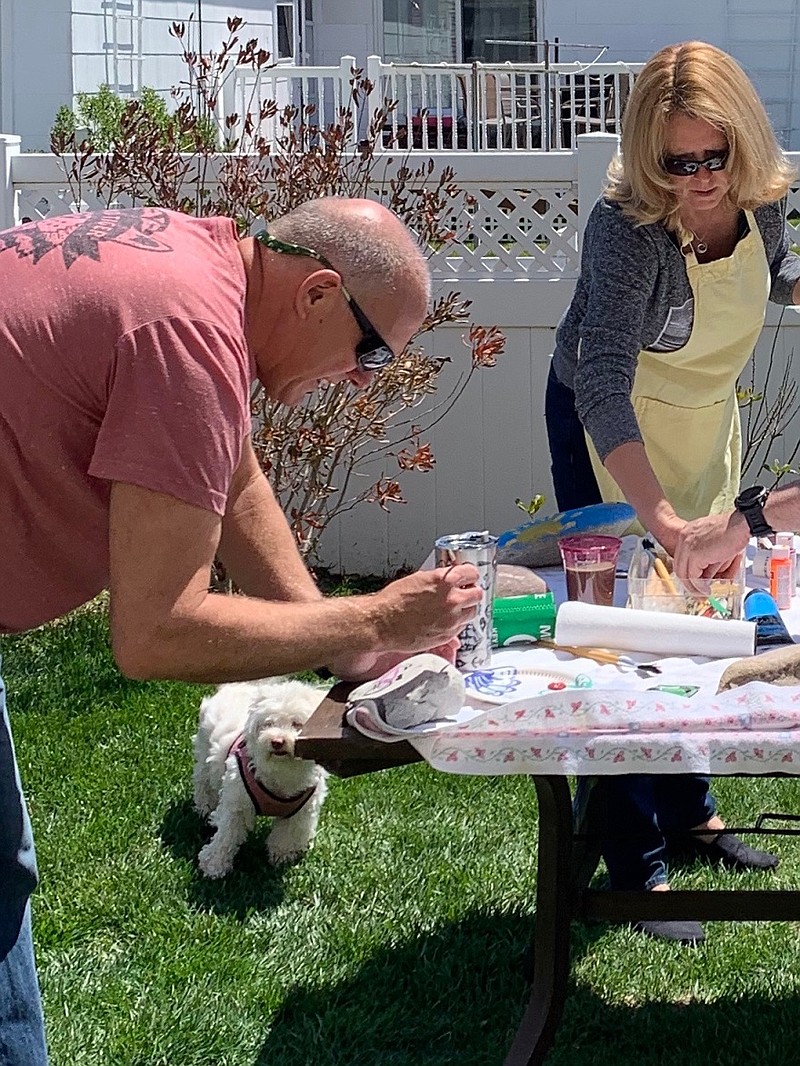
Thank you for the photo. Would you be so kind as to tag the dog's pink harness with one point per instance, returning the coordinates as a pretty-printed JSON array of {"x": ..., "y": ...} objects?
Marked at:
[{"x": 264, "y": 801}]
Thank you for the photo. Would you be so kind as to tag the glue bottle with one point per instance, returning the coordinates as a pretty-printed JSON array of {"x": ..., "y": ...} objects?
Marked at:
[
  {"x": 787, "y": 540},
  {"x": 761, "y": 608},
  {"x": 780, "y": 577}
]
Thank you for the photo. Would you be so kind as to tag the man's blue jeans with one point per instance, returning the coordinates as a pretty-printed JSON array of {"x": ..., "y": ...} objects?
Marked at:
[{"x": 22, "y": 1041}]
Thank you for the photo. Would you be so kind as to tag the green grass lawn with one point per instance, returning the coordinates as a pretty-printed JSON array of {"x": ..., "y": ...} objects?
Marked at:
[{"x": 398, "y": 941}]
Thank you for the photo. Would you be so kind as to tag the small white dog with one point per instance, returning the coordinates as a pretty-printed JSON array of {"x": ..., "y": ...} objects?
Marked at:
[{"x": 244, "y": 765}]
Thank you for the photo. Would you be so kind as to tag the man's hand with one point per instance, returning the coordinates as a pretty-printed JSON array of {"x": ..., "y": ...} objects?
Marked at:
[
  {"x": 710, "y": 547},
  {"x": 366, "y": 667},
  {"x": 422, "y": 612},
  {"x": 427, "y": 608}
]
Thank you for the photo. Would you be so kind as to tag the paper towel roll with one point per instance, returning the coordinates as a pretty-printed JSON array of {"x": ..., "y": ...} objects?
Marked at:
[{"x": 654, "y": 632}]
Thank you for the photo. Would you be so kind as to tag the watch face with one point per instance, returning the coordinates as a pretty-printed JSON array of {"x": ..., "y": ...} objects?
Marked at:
[{"x": 754, "y": 495}]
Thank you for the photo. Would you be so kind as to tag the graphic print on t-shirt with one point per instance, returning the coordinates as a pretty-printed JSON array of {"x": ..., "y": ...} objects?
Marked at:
[
  {"x": 677, "y": 329},
  {"x": 82, "y": 235}
]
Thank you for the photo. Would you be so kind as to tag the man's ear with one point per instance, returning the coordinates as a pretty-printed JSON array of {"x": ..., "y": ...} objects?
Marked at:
[{"x": 317, "y": 293}]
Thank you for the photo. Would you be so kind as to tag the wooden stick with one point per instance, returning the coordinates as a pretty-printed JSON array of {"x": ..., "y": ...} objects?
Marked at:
[{"x": 664, "y": 574}]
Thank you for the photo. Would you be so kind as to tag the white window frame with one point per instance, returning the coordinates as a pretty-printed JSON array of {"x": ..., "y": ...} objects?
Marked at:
[{"x": 289, "y": 60}]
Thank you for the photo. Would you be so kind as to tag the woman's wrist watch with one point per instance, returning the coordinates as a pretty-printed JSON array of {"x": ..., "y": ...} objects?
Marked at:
[{"x": 750, "y": 504}]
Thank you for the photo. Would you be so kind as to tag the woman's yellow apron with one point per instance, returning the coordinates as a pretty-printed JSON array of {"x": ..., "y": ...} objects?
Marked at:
[{"x": 685, "y": 400}]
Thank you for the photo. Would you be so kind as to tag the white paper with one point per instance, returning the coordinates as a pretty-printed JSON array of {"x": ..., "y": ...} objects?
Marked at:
[{"x": 654, "y": 632}]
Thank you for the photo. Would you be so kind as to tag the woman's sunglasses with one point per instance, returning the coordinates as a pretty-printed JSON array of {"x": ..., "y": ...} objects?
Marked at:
[
  {"x": 679, "y": 167},
  {"x": 372, "y": 351}
]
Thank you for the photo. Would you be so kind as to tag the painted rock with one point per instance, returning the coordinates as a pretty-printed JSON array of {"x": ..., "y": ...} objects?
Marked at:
[{"x": 535, "y": 543}]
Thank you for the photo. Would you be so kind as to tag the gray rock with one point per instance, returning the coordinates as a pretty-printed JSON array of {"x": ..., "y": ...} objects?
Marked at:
[
  {"x": 779, "y": 667},
  {"x": 517, "y": 581}
]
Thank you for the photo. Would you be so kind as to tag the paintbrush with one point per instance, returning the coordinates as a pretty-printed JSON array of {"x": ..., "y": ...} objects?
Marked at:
[
  {"x": 601, "y": 655},
  {"x": 660, "y": 569}
]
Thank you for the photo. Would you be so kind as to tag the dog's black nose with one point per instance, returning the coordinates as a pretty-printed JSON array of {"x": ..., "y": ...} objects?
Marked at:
[{"x": 278, "y": 745}]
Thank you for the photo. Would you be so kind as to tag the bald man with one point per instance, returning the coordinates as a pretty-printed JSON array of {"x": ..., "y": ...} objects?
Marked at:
[{"x": 129, "y": 342}]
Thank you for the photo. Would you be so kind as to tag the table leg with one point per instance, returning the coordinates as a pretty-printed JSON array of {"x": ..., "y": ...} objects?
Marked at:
[{"x": 554, "y": 899}]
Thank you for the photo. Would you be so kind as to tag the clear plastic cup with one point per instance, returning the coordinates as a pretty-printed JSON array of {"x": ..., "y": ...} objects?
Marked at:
[{"x": 590, "y": 565}]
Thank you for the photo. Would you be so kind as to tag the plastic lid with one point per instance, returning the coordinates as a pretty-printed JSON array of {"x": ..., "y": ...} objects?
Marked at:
[
  {"x": 780, "y": 551},
  {"x": 785, "y": 538}
]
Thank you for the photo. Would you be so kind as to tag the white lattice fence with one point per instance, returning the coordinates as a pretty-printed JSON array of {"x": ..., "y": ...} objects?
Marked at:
[
  {"x": 793, "y": 204},
  {"x": 44, "y": 201},
  {"x": 513, "y": 232},
  {"x": 517, "y": 218}
]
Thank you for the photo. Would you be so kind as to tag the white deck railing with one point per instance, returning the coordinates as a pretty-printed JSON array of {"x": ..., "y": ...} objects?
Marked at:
[{"x": 469, "y": 107}]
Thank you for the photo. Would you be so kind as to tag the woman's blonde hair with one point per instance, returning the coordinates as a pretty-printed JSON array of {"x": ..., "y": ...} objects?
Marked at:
[{"x": 700, "y": 81}]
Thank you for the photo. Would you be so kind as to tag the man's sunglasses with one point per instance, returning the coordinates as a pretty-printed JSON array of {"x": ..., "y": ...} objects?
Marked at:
[
  {"x": 679, "y": 167},
  {"x": 372, "y": 351}
]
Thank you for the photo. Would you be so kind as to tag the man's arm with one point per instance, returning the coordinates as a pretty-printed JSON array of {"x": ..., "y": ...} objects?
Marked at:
[
  {"x": 165, "y": 622},
  {"x": 260, "y": 554},
  {"x": 256, "y": 545},
  {"x": 706, "y": 546}
]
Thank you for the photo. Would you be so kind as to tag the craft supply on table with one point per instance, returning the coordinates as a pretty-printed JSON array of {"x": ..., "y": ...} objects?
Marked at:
[
  {"x": 518, "y": 619},
  {"x": 786, "y": 540},
  {"x": 422, "y": 693},
  {"x": 590, "y": 567},
  {"x": 602, "y": 655},
  {"x": 653, "y": 632},
  {"x": 761, "y": 609},
  {"x": 502, "y": 684},
  {"x": 781, "y": 576},
  {"x": 760, "y": 563},
  {"x": 511, "y": 580},
  {"x": 480, "y": 549},
  {"x": 763, "y": 554},
  {"x": 653, "y": 587}
]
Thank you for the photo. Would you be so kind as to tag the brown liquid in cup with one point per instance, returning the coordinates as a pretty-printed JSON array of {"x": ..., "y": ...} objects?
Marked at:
[{"x": 591, "y": 583}]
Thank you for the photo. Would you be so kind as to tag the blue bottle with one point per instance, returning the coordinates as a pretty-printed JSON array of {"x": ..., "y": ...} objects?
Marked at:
[{"x": 761, "y": 608}]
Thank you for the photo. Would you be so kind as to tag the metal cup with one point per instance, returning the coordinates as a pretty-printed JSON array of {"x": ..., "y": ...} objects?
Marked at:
[{"x": 480, "y": 549}]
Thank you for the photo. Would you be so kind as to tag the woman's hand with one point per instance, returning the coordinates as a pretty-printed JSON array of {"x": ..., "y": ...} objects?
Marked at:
[{"x": 710, "y": 547}]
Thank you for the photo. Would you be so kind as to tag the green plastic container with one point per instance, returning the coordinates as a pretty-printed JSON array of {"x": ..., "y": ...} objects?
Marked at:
[{"x": 519, "y": 618}]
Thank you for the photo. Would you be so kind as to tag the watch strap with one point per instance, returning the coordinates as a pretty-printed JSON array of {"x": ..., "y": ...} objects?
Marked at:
[{"x": 753, "y": 512}]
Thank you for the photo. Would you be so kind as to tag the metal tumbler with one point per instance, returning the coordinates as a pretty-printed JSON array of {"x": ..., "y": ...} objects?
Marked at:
[{"x": 480, "y": 549}]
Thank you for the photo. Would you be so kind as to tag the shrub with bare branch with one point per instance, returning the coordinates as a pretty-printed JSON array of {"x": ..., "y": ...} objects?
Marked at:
[
  {"x": 341, "y": 448},
  {"x": 768, "y": 408}
]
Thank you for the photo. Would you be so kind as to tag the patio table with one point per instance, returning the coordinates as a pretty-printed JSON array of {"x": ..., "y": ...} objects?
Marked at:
[{"x": 616, "y": 726}]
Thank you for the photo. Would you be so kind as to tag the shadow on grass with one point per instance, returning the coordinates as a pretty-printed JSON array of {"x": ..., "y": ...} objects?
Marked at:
[
  {"x": 734, "y": 1031},
  {"x": 453, "y": 996},
  {"x": 457, "y": 996},
  {"x": 252, "y": 885}
]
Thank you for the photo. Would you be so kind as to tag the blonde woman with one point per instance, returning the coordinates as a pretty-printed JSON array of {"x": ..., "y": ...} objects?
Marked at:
[{"x": 679, "y": 259}]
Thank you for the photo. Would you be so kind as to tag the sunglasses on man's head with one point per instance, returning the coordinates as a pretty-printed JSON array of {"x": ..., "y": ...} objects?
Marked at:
[
  {"x": 679, "y": 167},
  {"x": 372, "y": 351}
]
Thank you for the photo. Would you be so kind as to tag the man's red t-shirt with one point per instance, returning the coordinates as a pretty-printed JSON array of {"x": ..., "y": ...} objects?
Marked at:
[{"x": 122, "y": 358}]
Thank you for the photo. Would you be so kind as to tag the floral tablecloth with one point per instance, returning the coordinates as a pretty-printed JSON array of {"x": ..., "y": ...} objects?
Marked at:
[
  {"x": 754, "y": 729},
  {"x": 623, "y": 725}
]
